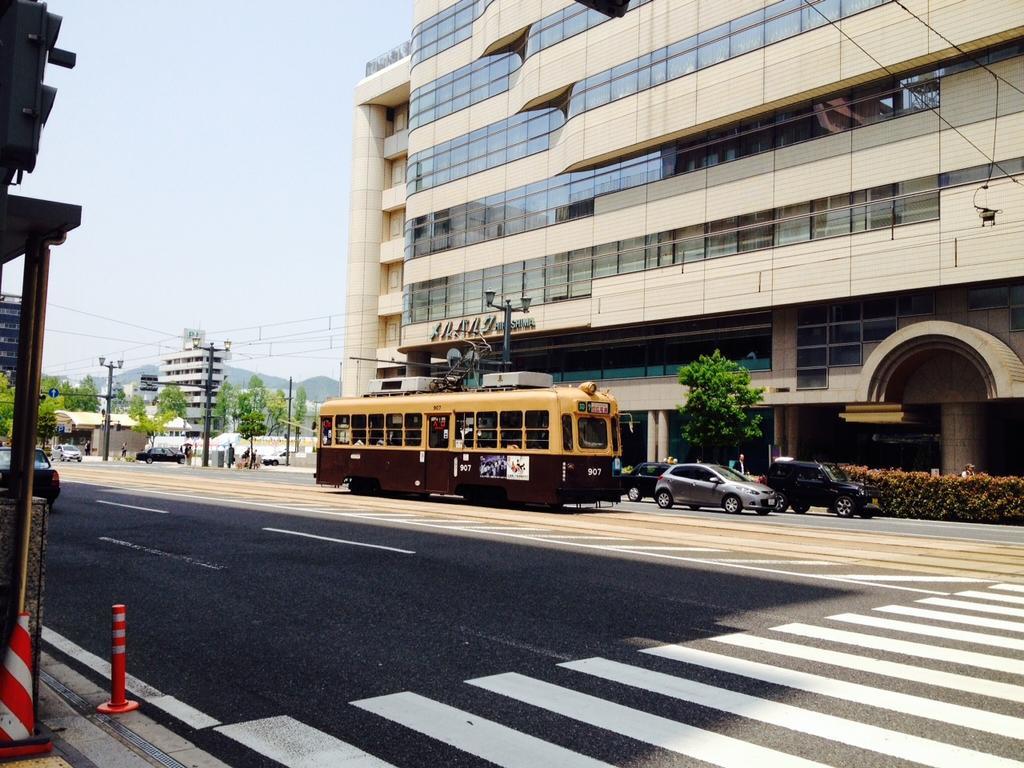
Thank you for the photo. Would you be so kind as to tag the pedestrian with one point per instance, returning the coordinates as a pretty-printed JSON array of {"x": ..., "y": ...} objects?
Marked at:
[
  {"x": 124, "y": 451},
  {"x": 741, "y": 464},
  {"x": 88, "y": 447},
  {"x": 188, "y": 453},
  {"x": 231, "y": 455},
  {"x": 968, "y": 471}
]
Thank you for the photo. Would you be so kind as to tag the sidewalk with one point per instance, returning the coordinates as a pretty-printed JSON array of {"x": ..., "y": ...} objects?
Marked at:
[{"x": 82, "y": 738}]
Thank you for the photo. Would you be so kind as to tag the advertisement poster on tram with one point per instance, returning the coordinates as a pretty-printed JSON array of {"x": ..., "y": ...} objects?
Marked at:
[{"x": 505, "y": 467}]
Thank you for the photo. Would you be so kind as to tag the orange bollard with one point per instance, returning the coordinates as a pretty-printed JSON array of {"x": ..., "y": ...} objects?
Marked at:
[{"x": 118, "y": 704}]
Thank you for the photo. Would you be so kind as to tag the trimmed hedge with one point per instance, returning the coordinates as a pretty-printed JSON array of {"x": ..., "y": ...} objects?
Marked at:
[{"x": 977, "y": 499}]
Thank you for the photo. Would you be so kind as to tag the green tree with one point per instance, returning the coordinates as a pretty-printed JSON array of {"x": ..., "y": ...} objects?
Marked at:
[
  {"x": 84, "y": 397},
  {"x": 6, "y": 406},
  {"x": 257, "y": 394},
  {"x": 276, "y": 411},
  {"x": 46, "y": 426},
  {"x": 172, "y": 402},
  {"x": 224, "y": 408},
  {"x": 718, "y": 403},
  {"x": 250, "y": 420},
  {"x": 299, "y": 408},
  {"x": 150, "y": 426}
]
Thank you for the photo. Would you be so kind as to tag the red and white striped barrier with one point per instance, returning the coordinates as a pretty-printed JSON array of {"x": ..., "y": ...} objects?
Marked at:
[
  {"x": 118, "y": 704},
  {"x": 17, "y": 711}
]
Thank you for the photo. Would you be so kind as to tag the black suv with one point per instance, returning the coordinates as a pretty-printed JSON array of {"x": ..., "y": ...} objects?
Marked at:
[
  {"x": 641, "y": 481},
  {"x": 805, "y": 484}
]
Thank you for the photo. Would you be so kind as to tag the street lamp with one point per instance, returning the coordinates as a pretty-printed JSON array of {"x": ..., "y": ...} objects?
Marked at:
[
  {"x": 211, "y": 348},
  {"x": 506, "y": 306},
  {"x": 108, "y": 397}
]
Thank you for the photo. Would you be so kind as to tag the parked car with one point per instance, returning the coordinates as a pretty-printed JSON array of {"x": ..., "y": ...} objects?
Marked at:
[
  {"x": 67, "y": 453},
  {"x": 641, "y": 481},
  {"x": 160, "y": 454},
  {"x": 712, "y": 485},
  {"x": 273, "y": 459},
  {"x": 46, "y": 482},
  {"x": 805, "y": 484}
]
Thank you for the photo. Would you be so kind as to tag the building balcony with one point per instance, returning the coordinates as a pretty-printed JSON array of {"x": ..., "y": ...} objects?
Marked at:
[
  {"x": 393, "y": 198},
  {"x": 396, "y": 145}
]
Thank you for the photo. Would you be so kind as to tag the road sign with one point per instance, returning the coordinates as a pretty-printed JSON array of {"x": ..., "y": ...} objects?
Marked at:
[{"x": 54, "y": 392}]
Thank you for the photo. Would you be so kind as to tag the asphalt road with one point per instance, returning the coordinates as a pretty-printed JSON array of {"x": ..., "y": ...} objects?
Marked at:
[{"x": 487, "y": 635}]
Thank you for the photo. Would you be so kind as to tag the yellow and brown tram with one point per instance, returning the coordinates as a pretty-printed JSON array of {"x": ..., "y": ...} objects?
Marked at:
[{"x": 549, "y": 445}]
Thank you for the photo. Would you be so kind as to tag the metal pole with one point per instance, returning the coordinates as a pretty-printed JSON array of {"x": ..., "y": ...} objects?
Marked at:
[
  {"x": 106, "y": 421},
  {"x": 506, "y": 352},
  {"x": 288, "y": 428},
  {"x": 209, "y": 394},
  {"x": 34, "y": 284}
]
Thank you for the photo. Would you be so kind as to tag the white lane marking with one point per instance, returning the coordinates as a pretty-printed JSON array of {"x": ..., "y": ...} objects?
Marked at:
[
  {"x": 979, "y": 607},
  {"x": 1009, "y": 587},
  {"x": 595, "y": 538},
  {"x": 870, "y": 737},
  {"x": 904, "y": 647},
  {"x": 340, "y": 541},
  {"x": 488, "y": 528},
  {"x": 978, "y": 638},
  {"x": 646, "y": 548},
  {"x": 770, "y": 562},
  {"x": 875, "y": 666},
  {"x": 935, "y": 579},
  {"x": 485, "y": 739},
  {"x": 978, "y": 594},
  {"x": 953, "y": 618},
  {"x": 919, "y": 706},
  {"x": 674, "y": 736},
  {"x": 161, "y": 553},
  {"x": 172, "y": 706},
  {"x": 676, "y": 558},
  {"x": 132, "y": 506},
  {"x": 296, "y": 745}
]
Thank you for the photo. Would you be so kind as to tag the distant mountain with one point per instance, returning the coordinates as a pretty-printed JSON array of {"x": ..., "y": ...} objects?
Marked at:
[{"x": 318, "y": 388}]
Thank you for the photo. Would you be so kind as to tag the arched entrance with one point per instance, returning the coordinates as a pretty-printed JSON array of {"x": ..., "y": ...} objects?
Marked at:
[{"x": 962, "y": 371}]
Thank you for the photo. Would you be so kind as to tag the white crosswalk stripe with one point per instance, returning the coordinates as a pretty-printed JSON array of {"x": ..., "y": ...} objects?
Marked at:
[
  {"x": 967, "y": 636},
  {"x": 956, "y": 682},
  {"x": 953, "y": 618},
  {"x": 668, "y": 734},
  {"x": 964, "y": 605},
  {"x": 901, "y": 745},
  {"x": 819, "y": 661},
  {"x": 904, "y": 647},
  {"x": 1009, "y": 587},
  {"x": 297, "y": 745},
  {"x": 992, "y": 596},
  {"x": 486, "y": 739}
]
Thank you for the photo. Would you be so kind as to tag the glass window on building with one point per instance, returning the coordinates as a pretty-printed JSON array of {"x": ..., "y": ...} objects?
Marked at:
[
  {"x": 1017, "y": 307},
  {"x": 994, "y": 297}
]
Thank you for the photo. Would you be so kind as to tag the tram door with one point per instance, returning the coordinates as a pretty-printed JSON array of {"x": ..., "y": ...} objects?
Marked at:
[{"x": 439, "y": 468}]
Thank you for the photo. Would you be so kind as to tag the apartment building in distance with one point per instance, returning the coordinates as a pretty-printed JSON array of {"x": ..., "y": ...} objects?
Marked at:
[
  {"x": 831, "y": 193},
  {"x": 10, "y": 330},
  {"x": 189, "y": 368}
]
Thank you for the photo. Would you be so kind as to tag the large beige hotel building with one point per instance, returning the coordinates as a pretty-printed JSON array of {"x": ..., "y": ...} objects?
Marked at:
[{"x": 831, "y": 192}]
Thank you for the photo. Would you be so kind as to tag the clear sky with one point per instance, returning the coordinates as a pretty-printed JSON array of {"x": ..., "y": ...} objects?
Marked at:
[{"x": 209, "y": 146}]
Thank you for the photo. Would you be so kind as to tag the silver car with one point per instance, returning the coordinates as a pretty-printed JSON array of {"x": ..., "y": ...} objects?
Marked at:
[
  {"x": 67, "y": 453},
  {"x": 712, "y": 485}
]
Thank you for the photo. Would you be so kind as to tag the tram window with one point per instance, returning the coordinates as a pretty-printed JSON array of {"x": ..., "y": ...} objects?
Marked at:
[
  {"x": 511, "y": 429},
  {"x": 394, "y": 422},
  {"x": 342, "y": 430},
  {"x": 464, "y": 428},
  {"x": 487, "y": 429},
  {"x": 358, "y": 429},
  {"x": 567, "y": 433},
  {"x": 593, "y": 433},
  {"x": 438, "y": 436},
  {"x": 414, "y": 429},
  {"x": 376, "y": 429},
  {"x": 615, "y": 435},
  {"x": 537, "y": 435},
  {"x": 326, "y": 424}
]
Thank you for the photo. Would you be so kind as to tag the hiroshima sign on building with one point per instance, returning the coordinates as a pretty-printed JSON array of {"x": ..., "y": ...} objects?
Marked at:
[{"x": 478, "y": 326}]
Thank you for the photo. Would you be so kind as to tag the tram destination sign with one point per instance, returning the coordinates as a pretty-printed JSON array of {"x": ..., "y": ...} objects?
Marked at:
[
  {"x": 592, "y": 406},
  {"x": 478, "y": 326}
]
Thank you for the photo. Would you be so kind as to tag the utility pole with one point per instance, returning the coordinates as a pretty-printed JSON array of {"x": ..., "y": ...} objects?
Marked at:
[
  {"x": 108, "y": 397},
  {"x": 288, "y": 428},
  {"x": 211, "y": 348}
]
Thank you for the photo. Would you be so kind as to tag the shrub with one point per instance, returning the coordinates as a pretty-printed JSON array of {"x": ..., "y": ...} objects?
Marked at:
[{"x": 976, "y": 499}]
